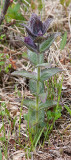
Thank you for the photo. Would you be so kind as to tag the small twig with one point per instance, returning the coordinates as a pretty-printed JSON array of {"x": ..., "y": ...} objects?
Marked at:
[{"x": 5, "y": 8}]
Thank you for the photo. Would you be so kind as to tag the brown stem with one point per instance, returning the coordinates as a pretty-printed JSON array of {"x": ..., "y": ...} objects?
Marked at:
[{"x": 5, "y": 8}]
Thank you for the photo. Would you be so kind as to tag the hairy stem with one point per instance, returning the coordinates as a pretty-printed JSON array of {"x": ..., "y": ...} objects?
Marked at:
[
  {"x": 37, "y": 97},
  {"x": 38, "y": 88}
]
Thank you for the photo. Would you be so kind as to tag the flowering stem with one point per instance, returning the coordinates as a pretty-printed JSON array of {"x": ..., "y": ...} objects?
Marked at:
[
  {"x": 38, "y": 87},
  {"x": 38, "y": 80}
]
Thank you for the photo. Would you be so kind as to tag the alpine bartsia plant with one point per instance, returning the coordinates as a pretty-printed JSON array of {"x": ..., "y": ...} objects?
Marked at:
[{"x": 37, "y": 43}]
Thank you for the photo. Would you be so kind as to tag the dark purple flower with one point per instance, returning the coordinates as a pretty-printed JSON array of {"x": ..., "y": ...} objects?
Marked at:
[
  {"x": 30, "y": 44},
  {"x": 36, "y": 28}
]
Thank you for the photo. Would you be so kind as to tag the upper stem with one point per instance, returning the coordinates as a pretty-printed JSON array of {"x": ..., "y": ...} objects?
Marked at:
[
  {"x": 38, "y": 90},
  {"x": 38, "y": 87}
]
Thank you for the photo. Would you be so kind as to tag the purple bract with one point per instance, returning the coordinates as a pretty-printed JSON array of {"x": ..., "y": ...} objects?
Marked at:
[{"x": 36, "y": 30}]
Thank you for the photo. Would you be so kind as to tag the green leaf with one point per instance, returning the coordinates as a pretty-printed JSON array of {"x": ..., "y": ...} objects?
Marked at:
[
  {"x": 46, "y": 65},
  {"x": 7, "y": 112},
  {"x": 29, "y": 103},
  {"x": 57, "y": 115},
  {"x": 31, "y": 117},
  {"x": 2, "y": 36},
  {"x": 33, "y": 87},
  {"x": 50, "y": 115},
  {"x": 26, "y": 74},
  {"x": 2, "y": 63},
  {"x": 33, "y": 57},
  {"x": 3, "y": 139},
  {"x": 47, "y": 104},
  {"x": 1, "y": 129},
  {"x": 68, "y": 109},
  {"x": 68, "y": 2},
  {"x": 62, "y": 2},
  {"x": 47, "y": 73},
  {"x": 2, "y": 113},
  {"x": 0, "y": 154},
  {"x": 38, "y": 136},
  {"x": 14, "y": 12},
  {"x": 14, "y": 121},
  {"x": 47, "y": 43},
  {"x": 1, "y": 55},
  {"x": 24, "y": 54},
  {"x": 43, "y": 97},
  {"x": 64, "y": 40},
  {"x": 40, "y": 5}
]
